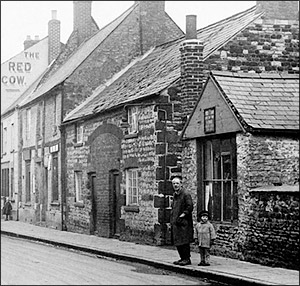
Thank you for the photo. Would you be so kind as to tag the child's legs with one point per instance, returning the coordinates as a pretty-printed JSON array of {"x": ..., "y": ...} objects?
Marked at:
[
  {"x": 202, "y": 252},
  {"x": 206, "y": 255}
]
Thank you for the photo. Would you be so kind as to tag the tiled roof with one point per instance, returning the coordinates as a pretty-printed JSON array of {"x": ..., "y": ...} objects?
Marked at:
[
  {"x": 78, "y": 57},
  {"x": 262, "y": 101},
  {"x": 160, "y": 68}
]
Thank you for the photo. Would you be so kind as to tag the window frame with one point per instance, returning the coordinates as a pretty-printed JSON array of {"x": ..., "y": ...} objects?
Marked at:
[
  {"x": 219, "y": 195},
  {"x": 28, "y": 124},
  {"x": 133, "y": 118},
  {"x": 12, "y": 136},
  {"x": 78, "y": 186},
  {"x": 209, "y": 120},
  {"x": 132, "y": 189},
  {"x": 79, "y": 133}
]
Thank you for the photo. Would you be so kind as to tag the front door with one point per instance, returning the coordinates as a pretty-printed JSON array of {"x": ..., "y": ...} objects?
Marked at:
[
  {"x": 93, "y": 214},
  {"x": 114, "y": 182}
]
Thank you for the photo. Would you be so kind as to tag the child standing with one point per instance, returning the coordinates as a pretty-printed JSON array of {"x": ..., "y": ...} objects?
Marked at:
[
  {"x": 205, "y": 236},
  {"x": 7, "y": 209}
]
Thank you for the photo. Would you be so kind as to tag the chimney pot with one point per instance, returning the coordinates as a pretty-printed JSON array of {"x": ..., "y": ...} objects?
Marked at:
[
  {"x": 36, "y": 38},
  {"x": 28, "y": 38},
  {"x": 54, "y": 14},
  {"x": 191, "y": 27}
]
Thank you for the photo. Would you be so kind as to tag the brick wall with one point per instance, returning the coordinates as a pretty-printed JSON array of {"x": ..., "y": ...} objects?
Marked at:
[
  {"x": 54, "y": 37},
  {"x": 191, "y": 73}
]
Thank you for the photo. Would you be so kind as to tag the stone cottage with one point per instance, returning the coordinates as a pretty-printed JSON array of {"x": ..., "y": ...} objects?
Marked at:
[
  {"x": 118, "y": 178},
  {"x": 90, "y": 57},
  {"x": 241, "y": 157}
]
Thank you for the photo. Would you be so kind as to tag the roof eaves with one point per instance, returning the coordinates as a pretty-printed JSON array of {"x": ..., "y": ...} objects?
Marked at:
[
  {"x": 61, "y": 78},
  {"x": 243, "y": 124}
]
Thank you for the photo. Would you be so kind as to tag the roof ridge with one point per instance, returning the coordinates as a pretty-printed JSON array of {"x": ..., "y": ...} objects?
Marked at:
[{"x": 255, "y": 75}]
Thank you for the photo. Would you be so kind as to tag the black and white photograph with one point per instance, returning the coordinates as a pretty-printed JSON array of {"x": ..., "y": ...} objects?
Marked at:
[{"x": 150, "y": 143}]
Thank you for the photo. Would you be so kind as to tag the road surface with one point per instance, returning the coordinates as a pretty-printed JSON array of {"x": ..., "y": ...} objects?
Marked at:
[{"x": 31, "y": 263}]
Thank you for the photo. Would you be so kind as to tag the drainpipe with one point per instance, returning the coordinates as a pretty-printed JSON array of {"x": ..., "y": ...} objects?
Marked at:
[
  {"x": 63, "y": 161},
  {"x": 165, "y": 175}
]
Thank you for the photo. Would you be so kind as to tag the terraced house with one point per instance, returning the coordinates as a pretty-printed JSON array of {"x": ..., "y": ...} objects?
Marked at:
[
  {"x": 148, "y": 124},
  {"x": 90, "y": 57},
  {"x": 19, "y": 77}
]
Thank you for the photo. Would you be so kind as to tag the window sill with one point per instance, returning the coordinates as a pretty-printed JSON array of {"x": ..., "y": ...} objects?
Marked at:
[
  {"x": 132, "y": 135},
  {"x": 27, "y": 204},
  {"x": 133, "y": 209},
  {"x": 79, "y": 204},
  {"x": 78, "y": 144},
  {"x": 55, "y": 204}
]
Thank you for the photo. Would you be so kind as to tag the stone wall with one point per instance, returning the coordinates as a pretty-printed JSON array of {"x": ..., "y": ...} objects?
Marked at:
[
  {"x": 264, "y": 46},
  {"x": 267, "y": 231}
]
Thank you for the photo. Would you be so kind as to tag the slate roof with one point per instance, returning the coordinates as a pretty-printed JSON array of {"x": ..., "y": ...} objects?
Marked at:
[
  {"x": 262, "y": 101},
  {"x": 160, "y": 67},
  {"x": 78, "y": 57}
]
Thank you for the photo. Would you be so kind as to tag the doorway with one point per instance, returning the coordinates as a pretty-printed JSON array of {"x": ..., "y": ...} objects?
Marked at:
[{"x": 114, "y": 189}]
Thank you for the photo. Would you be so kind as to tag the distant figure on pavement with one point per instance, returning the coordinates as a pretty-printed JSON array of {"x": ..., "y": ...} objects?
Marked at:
[
  {"x": 205, "y": 237},
  {"x": 7, "y": 209},
  {"x": 182, "y": 222}
]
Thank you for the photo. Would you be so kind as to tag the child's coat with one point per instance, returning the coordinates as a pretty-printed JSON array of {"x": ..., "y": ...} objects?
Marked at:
[{"x": 205, "y": 232}]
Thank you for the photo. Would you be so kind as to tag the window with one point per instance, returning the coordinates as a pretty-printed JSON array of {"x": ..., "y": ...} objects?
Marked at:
[
  {"x": 39, "y": 121},
  {"x": 132, "y": 187},
  {"x": 12, "y": 181},
  {"x": 5, "y": 182},
  {"x": 55, "y": 115},
  {"x": 27, "y": 181},
  {"x": 4, "y": 140},
  {"x": 27, "y": 123},
  {"x": 12, "y": 137},
  {"x": 78, "y": 186},
  {"x": 55, "y": 177},
  {"x": 133, "y": 120},
  {"x": 79, "y": 133},
  {"x": 220, "y": 183},
  {"x": 209, "y": 120}
]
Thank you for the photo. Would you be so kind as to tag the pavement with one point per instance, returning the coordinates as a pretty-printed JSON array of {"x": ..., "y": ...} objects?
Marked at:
[{"x": 224, "y": 270}]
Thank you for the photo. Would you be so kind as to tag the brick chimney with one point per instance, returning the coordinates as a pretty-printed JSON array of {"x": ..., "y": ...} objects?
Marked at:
[
  {"x": 280, "y": 10},
  {"x": 151, "y": 23},
  {"x": 30, "y": 42},
  {"x": 54, "y": 37},
  {"x": 82, "y": 19},
  {"x": 191, "y": 66}
]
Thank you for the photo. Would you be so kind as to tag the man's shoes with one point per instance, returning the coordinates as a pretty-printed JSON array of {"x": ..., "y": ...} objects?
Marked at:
[
  {"x": 177, "y": 262},
  {"x": 203, "y": 264},
  {"x": 185, "y": 262}
]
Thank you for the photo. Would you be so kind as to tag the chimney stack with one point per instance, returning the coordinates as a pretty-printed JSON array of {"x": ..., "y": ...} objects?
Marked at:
[
  {"x": 192, "y": 74},
  {"x": 191, "y": 24},
  {"x": 53, "y": 37},
  {"x": 30, "y": 42},
  {"x": 151, "y": 24},
  {"x": 82, "y": 19},
  {"x": 279, "y": 10}
]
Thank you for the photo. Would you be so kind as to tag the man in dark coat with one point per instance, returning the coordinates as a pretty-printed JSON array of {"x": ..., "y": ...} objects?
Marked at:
[{"x": 182, "y": 222}]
